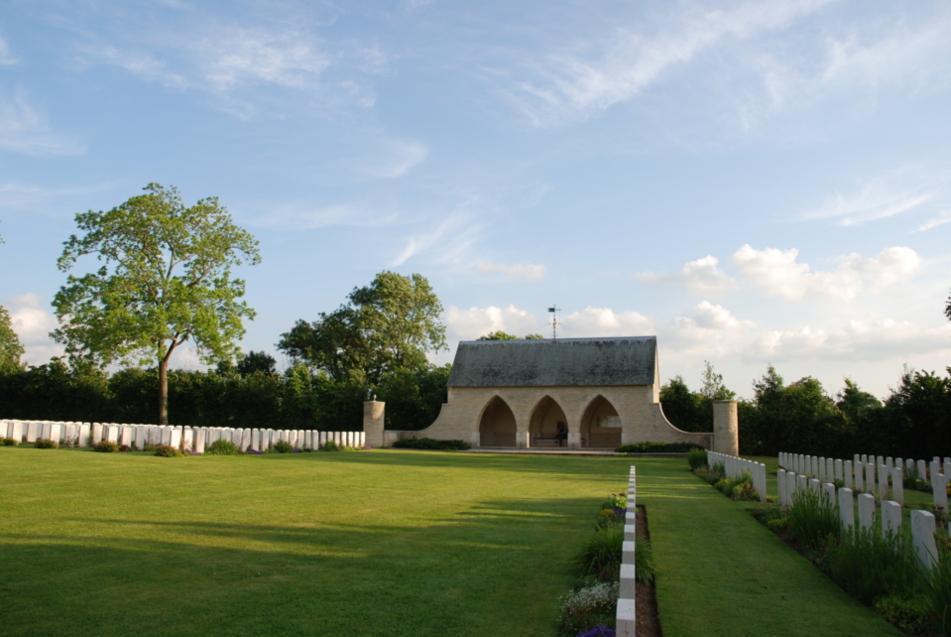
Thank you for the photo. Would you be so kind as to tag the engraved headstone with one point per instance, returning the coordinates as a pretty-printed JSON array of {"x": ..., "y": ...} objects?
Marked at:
[
  {"x": 846, "y": 510},
  {"x": 922, "y": 538},
  {"x": 891, "y": 517},
  {"x": 866, "y": 510}
]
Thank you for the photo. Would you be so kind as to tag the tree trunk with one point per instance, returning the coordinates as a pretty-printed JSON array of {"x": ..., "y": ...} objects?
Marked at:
[{"x": 163, "y": 391}]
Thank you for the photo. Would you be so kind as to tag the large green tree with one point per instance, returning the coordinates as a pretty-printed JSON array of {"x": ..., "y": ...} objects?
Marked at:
[
  {"x": 165, "y": 279},
  {"x": 10, "y": 347},
  {"x": 386, "y": 326}
]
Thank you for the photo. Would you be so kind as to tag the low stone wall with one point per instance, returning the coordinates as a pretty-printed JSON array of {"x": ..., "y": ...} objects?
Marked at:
[{"x": 196, "y": 438}]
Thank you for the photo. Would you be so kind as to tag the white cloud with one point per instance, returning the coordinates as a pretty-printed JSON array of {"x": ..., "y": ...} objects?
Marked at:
[
  {"x": 704, "y": 330},
  {"x": 24, "y": 129},
  {"x": 527, "y": 271},
  {"x": 579, "y": 80},
  {"x": 6, "y": 57},
  {"x": 876, "y": 200},
  {"x": 602, "y": 321},
  {"x": 877, "y": 340},
  {"x": 942, "y": 218},
  {"x": 702, "y": 277},
  {"x": 33, "y": 322},
  {"x": 778, "y": 273},
  {"x": 468, "y": 325}
]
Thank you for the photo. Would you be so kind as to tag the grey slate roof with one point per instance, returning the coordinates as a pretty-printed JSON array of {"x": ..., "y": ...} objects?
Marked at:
[{"x": 571, "y": 362}]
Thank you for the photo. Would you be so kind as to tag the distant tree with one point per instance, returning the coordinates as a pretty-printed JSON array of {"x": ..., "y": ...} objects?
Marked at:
[
  {"x": 386, "y": 326},
  {"x": 499, "y": 335},
  {"x": 918, "y": 415},
  {"x": 10, "y": 347},
  {"x": 713, "y": 387},
  {"x": 855, "y": 403},
  {"x": 947, "y": 309},
  {"x": 165, "y": 280},
  {"x": 257, "y": 362},
  {"x": 683, "y": 408}
]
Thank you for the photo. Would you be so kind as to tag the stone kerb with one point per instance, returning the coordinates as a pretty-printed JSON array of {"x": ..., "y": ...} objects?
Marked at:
[{"x": 626, "y": 606}]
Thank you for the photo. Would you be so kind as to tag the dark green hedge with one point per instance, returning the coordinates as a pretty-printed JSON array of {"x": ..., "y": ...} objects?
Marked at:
[
  {"x": 429, "y": 443},
  {"x": 656, "y": 447}
]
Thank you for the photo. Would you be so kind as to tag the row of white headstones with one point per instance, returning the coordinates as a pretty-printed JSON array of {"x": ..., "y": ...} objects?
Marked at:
[
  {"x": 923, "y": 523},
  {"x": 196, "y": 438},
  {"x": 626, "y": 610},
  {"x": 871, "y": 474},
  {"x": 734, "y": 466}
]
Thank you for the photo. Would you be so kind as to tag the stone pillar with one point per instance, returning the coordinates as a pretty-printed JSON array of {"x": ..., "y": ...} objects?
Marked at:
[
  {"x": 726, "y": 429},
  {"x": 373, "y": 412},
  {"x": 574, "y": 440}
]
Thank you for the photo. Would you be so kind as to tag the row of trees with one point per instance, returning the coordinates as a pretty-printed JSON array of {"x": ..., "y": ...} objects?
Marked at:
[{"x": 914, "y": 421}]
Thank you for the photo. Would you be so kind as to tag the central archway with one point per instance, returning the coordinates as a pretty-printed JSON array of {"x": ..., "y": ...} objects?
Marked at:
[
  {"x": 601, "y": 425},
  {"x": 548, "y": 425},
  {"x": 497, "y": 427}
]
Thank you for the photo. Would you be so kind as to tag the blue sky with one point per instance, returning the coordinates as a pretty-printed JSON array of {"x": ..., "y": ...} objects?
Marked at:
[{"x": 754, "y": 182}]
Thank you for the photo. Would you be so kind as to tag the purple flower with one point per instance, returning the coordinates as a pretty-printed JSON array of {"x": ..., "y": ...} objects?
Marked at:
[{"x": 297, "y": 451}]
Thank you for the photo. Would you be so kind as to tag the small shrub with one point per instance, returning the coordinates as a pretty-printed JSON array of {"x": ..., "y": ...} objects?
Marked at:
[
  {"x": 644, "y": 561},
  {"x": 282, "y": 446},
  {"x": 655, "y": 447},
  {"x": 125, "y": 448},
  {"x": 10, "y": 442},
  {"x": 908, "y": 614},
  {"x": 601, "y": 556},
  {"x": 812, "y": 519},
  {"x": 105, "y": 446},
  {"x": 222, "y": 448},
  {"x": 718, "y": 467},
  {"x": 870, "y": 565},
  {"x": 697, "y": 458},
  {"x": 330, "y": 445},
  {"x": 45, "y": 443},
  {"x": 589, "y": 607},
  {"x": 937, "y": 588},
  {"x": 167, "y": 451},
  {"x": 432, "y": 445}
]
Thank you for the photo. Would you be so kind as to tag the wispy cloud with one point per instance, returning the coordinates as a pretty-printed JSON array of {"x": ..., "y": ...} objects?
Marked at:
[
  {"x": 449, "y": 243},
  {"x": 6, "y": 56},
  {"x": 393, "y": 158},
  {"x": 527, "y": 271},
  {"x": 304, "y": 218},
  {"x": 24, "y": 129},
  {"x": 872, "y": 201},
  {"x": 942, "y": 218},
  {"x": 579, "y": 80}
]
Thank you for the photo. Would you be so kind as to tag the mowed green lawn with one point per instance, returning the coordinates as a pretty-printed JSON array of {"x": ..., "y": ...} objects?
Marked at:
[{"x": 378, "y": 542}]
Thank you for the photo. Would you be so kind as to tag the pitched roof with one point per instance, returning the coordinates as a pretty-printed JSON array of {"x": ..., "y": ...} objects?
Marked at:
[{"x": 571, "y": 362}]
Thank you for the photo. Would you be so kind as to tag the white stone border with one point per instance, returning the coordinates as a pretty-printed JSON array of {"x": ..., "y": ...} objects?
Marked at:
[{"x": 626, "y": 607}]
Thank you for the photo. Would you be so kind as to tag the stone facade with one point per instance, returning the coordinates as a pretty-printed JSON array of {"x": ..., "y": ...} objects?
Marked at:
[{"x": 574, "y": 393}]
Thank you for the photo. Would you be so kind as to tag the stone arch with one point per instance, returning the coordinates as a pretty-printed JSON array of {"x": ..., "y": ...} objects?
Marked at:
[
  {"x": 546, "y": 420},
  {"x": 600, "y": 425},
  {"x": 497, "y": 424}
]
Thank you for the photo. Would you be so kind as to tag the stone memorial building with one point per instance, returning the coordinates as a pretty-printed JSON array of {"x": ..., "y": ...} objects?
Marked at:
[{"x": 575, "y": 393}]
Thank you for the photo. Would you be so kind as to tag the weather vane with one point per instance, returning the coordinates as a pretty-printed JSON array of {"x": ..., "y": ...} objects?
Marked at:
[{"x": 554, "y": 321}]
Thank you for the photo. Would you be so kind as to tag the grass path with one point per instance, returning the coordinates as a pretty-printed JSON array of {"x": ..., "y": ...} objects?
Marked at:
[{"x": 372, "y": 543}]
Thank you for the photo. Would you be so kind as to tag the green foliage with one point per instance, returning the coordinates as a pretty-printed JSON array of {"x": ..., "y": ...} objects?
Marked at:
[
  {"x": 45, "y": 443},
  {"x": 655, "y": 447},
  {"x": 870, "y": 565},
  {"x": 414, "y": 397},
  {"x": 10, "y": 347},
  {"x": 697, "y": 458},
  {"x": 907, "y": 613},
  {"x": 10, "y": 442},
  {"x": 167, "y": 451},
  {"x": 588, "y": 607},
  {"x": 330, "y": 445},
  {"x": 601, "y": 555},
  {"x": 222, "y": 447},
  {"x": 106, "y": 446},
  {"x": 713, "y": 387},
  {"x": 429, "y": 443},
  {"x": 813, "y": 520},
  {"x": 738, "y": 487},
  {"x": 282, "y": 446},
  {"x": 499, "y": 335},
  {"x": 685, "y": 410},
  {"x": 386, "y": 326},
  {"x": 937, "y": 588},
  {"x": 165, "y": 279}
]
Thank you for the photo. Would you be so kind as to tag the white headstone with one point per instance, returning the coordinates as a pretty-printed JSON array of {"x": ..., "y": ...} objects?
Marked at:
[
  {"x": 846, "y": 510},
  {"x": 125, "y": 436},
  {"x": 34, "y": 431},
  {"x": 814, "y": 484},
  {"x": 922, "y": 471},
  {"x": 175, "y": 439},
  {"x": 111, "y": 433},
  {"x": 922, "y": 537},
  {"x": 790, "y": 486},
  {"x": 200, "y": 434},
  {"x": 802, "y": 482},
  {"x": 83, "y": 435},
  {"x": 889, "y": 462},
  {"x": 781, "y": 486},
  {"x": 15, "y": 431},
  {"x": 54, "y": 433},
  {"x": 866, "y": 510},
  {"x": 883, "y": 482},
  {"x": 898, "y": 486},
  {"x": 830, "y": 470},
  {"x": 847, "y": 473},
  {"x": 909, "y": 466},
  {"x": 167, "y": 436},
  {"x": 891, "y": 517},
  {"x": 941, "y": 492},
  {"x": 828, "y": 490},
  {"x": 141, "y": 437},
  {"x": 838, "y": 470},
  {"x": 864, "y": 459}
]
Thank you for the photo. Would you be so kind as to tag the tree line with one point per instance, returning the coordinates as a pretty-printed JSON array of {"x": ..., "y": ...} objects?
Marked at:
[{"x": 914, "y": 421}]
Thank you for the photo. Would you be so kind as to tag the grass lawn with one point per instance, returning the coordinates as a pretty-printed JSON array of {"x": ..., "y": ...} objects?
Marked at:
[{"x": 373, "y": 543}]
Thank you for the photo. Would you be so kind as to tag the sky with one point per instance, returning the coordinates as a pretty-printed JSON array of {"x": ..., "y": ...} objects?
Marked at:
[{"x": 753, "y": 182}]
